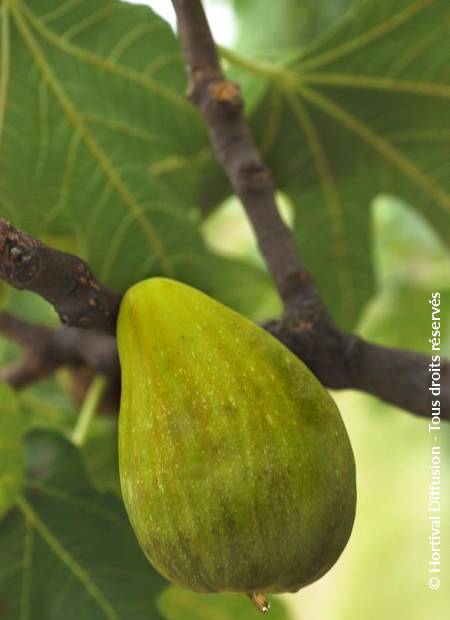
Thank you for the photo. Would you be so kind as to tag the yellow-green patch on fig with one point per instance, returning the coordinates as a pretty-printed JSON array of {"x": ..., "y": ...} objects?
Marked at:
[{"x": 236, "y": 469}]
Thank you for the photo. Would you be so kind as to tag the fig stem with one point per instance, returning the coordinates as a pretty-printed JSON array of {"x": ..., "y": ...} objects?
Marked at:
[
  {"x": 88, "y": 409},
  {"x": 259, "y": 601}
]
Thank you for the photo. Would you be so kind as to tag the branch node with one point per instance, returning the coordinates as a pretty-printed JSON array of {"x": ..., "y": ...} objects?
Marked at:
[
  {"x": 254, "y": 175},
  {"x": 225, "y": 91}
]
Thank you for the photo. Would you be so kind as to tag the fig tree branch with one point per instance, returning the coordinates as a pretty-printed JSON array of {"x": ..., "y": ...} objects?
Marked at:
[
  {"x": 44, "y": 350},
  {"x": 220, "y": 102},
  {"x": 64, "y": 280}
]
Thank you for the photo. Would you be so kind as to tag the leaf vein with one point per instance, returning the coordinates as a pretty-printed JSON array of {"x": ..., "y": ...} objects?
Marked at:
[
  {"x": 389, "y": 25},
  {"x": 96, "y": 150},
  {"x": 25, "y": 593},
  {"x": 5, "y": 65},
  {"x": 68, "y": 560},
  {"x": 332, "y": 199},
  {"x": 379, "y": 83},
  {"x": 90, "y": 20},
  {"x": 387, "y": 150}
]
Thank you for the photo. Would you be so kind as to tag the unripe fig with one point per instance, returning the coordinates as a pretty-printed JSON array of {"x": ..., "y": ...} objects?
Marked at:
[{"x": 236, "y": 469}]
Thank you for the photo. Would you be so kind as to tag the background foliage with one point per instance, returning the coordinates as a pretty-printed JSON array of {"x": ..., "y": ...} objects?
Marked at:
[{"x": 100, "y": 154}]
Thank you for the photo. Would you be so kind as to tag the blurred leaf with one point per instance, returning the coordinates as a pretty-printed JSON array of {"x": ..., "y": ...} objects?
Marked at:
[
  {"x": 27, "y": 306},
  {"x": 47, "y": 407},
  {"x": 12, "y": 461},
  {"x": 100, "y": 455},
  {"x": 246, "y": 288},
  {"x": 408, "y": 251},
  {"x": 178, "y": 604},
  {"x": 228, "y": 231},
  {"x": 362, "y": 110},
  {"x": 68, "y": 551},
  {"x": 411, "y": 262},
  {"x": 44, "y": 407},
  {"x": 291, "y": 23},
  {"x": 401, "y": 318}
]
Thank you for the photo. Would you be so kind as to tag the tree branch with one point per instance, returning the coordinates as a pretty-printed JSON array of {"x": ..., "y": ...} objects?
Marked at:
[
  {"x": 44, "y": 350},
  {"x": 64, "y": 280},
  {"x": 220, "y": 102}
]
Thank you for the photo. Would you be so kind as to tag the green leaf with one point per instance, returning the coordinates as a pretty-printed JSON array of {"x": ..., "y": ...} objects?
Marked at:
[
  {"x": 98, "y": 142},
  {"x": 68, "y": 551},
  {"x": 100, "y": 456},
  {"x": 176, "y": 603},
  {"x": 408, "y": 251},
  {"x": 385, "y": 322},
  {"x": 363, "y": 110},
  {"x": 291, "y": 23},
  {"x": 46, "y": 406},
  {"x": 244, "y": 287},
  {"x": 411, "y": 262},
  {"x": 12, "y": 461},
  {"x": 22, "y": 304}
]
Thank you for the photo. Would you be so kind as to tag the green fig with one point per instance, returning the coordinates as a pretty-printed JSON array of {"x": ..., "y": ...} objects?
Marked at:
[{"x": 236, "y": 469}]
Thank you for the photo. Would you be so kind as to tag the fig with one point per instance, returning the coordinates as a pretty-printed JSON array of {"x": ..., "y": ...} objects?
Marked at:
[{"x": 236, "y": 469}]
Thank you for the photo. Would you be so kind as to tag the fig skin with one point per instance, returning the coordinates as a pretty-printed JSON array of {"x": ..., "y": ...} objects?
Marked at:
[{"x": 236, "y": 469}]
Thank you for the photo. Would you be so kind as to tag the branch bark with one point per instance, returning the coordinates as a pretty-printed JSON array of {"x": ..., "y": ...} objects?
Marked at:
[
  {"x": 45, "y": 349},
  {"x": 220, "y": 103},
  {"x": 64, "y": 280}
]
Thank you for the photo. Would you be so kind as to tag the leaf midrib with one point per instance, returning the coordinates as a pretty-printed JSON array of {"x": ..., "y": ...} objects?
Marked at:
[
  {"x": 387, "y": 26},
  {"x": 67, "y": 559},
  {"x": 95, "y": 149}
]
